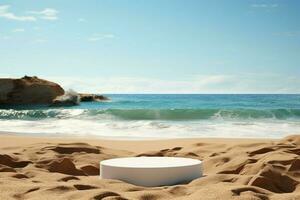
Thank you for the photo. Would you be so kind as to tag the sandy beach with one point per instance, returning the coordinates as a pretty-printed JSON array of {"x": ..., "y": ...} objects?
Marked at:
[{"x": 65, "y": 168}]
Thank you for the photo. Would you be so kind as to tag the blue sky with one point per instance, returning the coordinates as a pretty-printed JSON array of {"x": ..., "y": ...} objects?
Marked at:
[{"x": 154, "y": 46}]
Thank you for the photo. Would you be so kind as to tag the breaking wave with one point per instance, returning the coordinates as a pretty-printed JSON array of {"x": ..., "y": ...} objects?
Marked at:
[{"x": 151, "y": 114}]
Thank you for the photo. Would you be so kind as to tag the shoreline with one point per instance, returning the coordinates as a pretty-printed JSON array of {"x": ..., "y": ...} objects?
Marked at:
[
  {"x": 126, "y": 143},
  {"x": 130, "y": 138}
]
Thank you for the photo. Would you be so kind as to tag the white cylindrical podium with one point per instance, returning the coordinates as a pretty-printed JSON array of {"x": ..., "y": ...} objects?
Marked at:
[{"x": 151, "y": 171}]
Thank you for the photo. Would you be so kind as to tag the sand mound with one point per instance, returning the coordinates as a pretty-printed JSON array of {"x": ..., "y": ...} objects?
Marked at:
[
  {"x": 274, "y": 181},
  {"x": 65, "y": 166},
  {"x": 73, "y": 148},
  {"x": 68, "y": 178},
  {"x": 4, "y": 168},
  {"x": 233, "y": 169},
  {"x": 293, "y": 139},
  {"x": 295, "y": 166},
  {"x": 105, "y": 195},
  {"x": 84, "y": 187},
  {"x": 12, "y": 162},
  {"x": 90, "y": 170}
]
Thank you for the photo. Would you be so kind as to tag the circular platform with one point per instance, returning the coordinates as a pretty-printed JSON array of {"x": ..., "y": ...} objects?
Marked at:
[{"x": 151, "y": 171}]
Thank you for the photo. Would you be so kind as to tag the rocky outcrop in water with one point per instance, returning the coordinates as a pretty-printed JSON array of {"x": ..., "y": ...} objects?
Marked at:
[
  {"x": 92, "y": 97},
  {"x": 28, "y": 90},
  {"x": 70, "y": 98},
  {"x": 33, "y": 90}
]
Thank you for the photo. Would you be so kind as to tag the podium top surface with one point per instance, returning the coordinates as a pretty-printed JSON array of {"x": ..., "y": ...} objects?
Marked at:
[{"x": 150, "y": 162}]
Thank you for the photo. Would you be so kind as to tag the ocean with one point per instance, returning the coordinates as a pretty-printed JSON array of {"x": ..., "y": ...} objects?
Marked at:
[{"x": 131, "y": 116}]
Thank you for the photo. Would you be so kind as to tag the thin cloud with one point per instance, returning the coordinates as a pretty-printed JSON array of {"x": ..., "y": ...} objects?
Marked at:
[
  {"x": 97, "y": 37},
  {"x": 40, "y": 40},
  {"x": 46, "y": 14},
  {"x": 81, "y": 20},
  {"x": 212, "y": 79},
  {"x": 247, "y": 83},
  {"x": 4, "y": 13},
  {"x": 36, "y": 28},
  {"x": 288, "y": 33},
  {"x": 5, "y": 37},
  {"x": 18, "y": 30},
  {"x": 264, "y": 5}
]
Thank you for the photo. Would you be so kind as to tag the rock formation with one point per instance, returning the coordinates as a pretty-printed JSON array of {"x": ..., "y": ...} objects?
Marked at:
[
  {"x": 28, "y": 90},
  {"x": 92, "y": 97},
  {"x": 70, "y": 98},
  {"x": 32, "y": 90}
]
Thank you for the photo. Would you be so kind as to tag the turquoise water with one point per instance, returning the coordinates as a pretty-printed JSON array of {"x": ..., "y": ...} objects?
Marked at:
[{"x": 163, "y": 116}]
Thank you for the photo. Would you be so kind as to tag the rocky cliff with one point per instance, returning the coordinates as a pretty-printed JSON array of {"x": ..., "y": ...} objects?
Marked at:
[{"x": 28, "y": 90}]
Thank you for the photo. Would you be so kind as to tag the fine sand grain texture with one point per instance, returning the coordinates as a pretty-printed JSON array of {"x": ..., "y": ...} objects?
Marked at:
[{"x": 49, "y": 168}]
